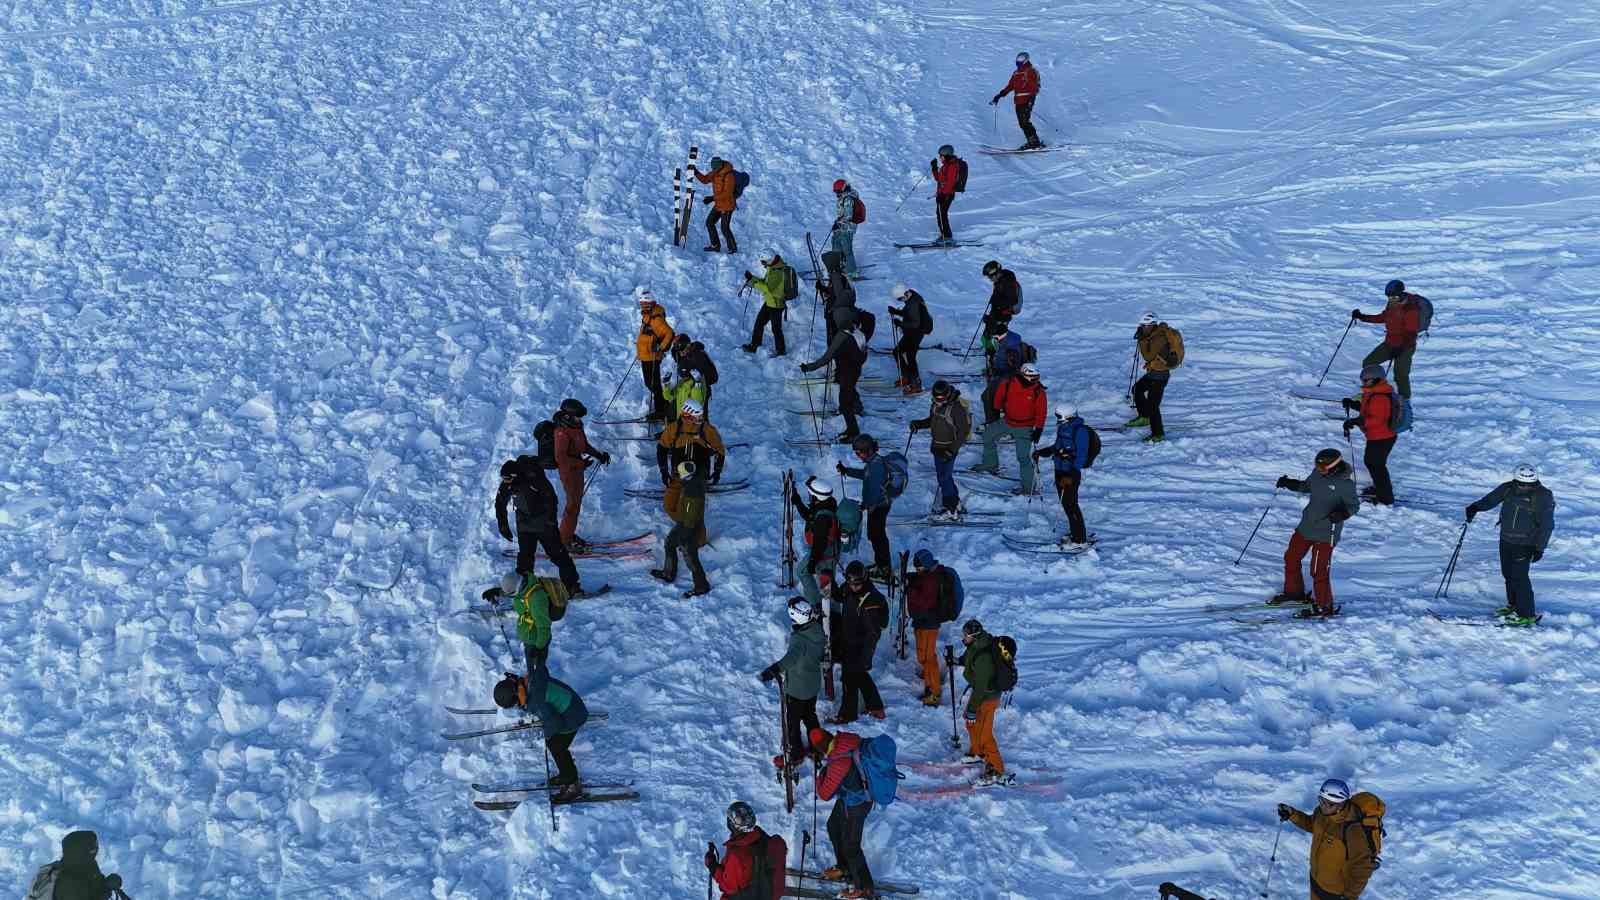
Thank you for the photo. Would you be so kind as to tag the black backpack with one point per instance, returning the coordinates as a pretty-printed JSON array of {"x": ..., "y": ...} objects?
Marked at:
[
  {"x": 1094, "y": 446},
  {"x": 1029, "y": 353},
  {"x": 867, "y": 322},
  {"x": 927, "y": 320},
  {"x": 961, "y": 175},
  {"x": 1005, "y": 672},
  {"x": 791, "y": 283},
  {"x": 544, "y": 434},
  {"x": 761, "y": 875},
  {"x": 741, "y": 180}
]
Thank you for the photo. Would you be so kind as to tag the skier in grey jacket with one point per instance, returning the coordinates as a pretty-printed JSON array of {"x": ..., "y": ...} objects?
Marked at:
[
  {"x": 1333, "y": 500},
  {"x": 801, "y": 668},
  {"x": 845, "y": 199},
  {"x": 1527, "y": 517}
]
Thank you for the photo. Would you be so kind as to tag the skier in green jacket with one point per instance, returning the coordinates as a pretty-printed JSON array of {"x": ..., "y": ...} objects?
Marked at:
[
  {"x": 536, "y": 602},
  {"x": 771, "y": 280}
]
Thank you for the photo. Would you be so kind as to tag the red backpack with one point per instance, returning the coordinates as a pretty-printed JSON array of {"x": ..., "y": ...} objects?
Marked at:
[{"x": 859, "y": 213}]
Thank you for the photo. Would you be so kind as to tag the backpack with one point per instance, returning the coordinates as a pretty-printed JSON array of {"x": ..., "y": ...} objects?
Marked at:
[
  {"x": 44, "y": 882},
  {"x": 927, "y": 320},
  {"x": 522, "y": 604},
  {"x": 1173, "y": 357},
  {"x": 952, "y": 596},
  {"x": 1029, "y": 354},
  {"x": 849, "y": 519},
  {"x": 961, "y": 175},
  {"x": 741, "y": 180},
  {"x": 791, "y": 283},
  {"x": 545, "y": 434},
  {"x": 766, "y": 881},
  {"x": 831, "y": 536},
  {"x": 1398, "y": 414},
  {"x": 875, "y": 759},
  {"x": 859, "y": 213},
  {"x": 895, "y": 474},
  {"x": 1005, "y": 671},
  {"x": 1094, "y": 446},
  {"x": 1424, "y": 311},
  {"x": 866, "y": 322},
  {"x": 1372, "y": 809}
]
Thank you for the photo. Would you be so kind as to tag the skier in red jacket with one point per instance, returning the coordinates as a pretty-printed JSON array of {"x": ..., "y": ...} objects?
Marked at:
[
  {"x": 838, "y": 775},
  {"x": 1024, "y": 86},
  {"x": 746, "y": 844},
  {"x": 946, "y": 171}
]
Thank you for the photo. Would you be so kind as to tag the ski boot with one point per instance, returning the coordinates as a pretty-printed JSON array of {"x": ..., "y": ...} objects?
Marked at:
[
  {"x": 712, "y": 248},
  {"x": 845, "y": 437},
  {"x": 1318, "y": 612},
  {"x": 1516, "y": 621},
  {"x": 857, "y": 893},
  {"x": 568, "y": 793},
  {"x": 749, "y": 348},
  {"x": 980, "y": 467},
  {"x": 1287, "y": 599},
  {"x": 833, "y": 873},
  {"x": 970, "y": 759},
  {"x": 879, "y": 573},
  {"x": 1136, "y": 422},
  {"x": 878, "y": 714},
  {"x": 1504, "y": 611},
  {"x": 664, "y": 575},
  {"x": 993, "y": 778},
  {"x": 697, "y": 591},
  {"x": 930, "y": 698},
  {"x": 1154, "y": 439},
  {"x": 912, "y": 387}
]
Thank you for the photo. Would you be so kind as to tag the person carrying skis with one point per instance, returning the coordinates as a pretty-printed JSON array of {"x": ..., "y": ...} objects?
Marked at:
[
  {"x": 915, "y": 323},
  {"x": 1005, "y": 301},
  {"x": 770, "y": 279},
  {"x": 801, "y": 668},
  {"x": 755, "y": 865},
  {"x": 723, "y": 181},
  {"x": 688, "y": 353},
  {"x": 536, "y": 602},
  {"x": 574, "y": 455},
  {"x": 927, "y": 590},
  {"x": 979, "y": 659},
  {"x": 1402, "y": 320},
  {"x": 946, "y": 171},
  {"x": 838, "y": 775},
  {"x": 848, "y": 352},
  {"x": 1071, "y": 453},
  {"x": 1024, "y": 85},
  {"x": 685, "y": 387},
  {"x": 821, "y": 516},
  {"x": 653, "y": 342},
  {"x": 860, "y": 614},
  {"x": 1344, "y": 847},
  {"x": 949, "y": 423},
  {"x": 1333, "y": 500},
  {"x": 524, "y": 486},
  {"x": 875, "y": 500},
  {"x": 688, "y": 514},
  {"x": 848, "y": 212},
  {"x": 560, "y": 711},
  {"x": 838, "y": 295},
  {"x": 1022, "y": 402},
  {"x": 1377, "y": 412},
  {"x": 1010, "y": 352},
  {"x": 1526, "y": 523},
  {"x": 76, "y": 875},
  {"x": 1158, "y": 346}
]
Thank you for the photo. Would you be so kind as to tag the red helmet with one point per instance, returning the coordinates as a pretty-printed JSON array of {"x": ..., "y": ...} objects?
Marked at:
[{"x": 839, "y": 185}]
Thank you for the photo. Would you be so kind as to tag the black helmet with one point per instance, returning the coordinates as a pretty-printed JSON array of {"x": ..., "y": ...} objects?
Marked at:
[
  {"x": 864, "y": 443},
  {"x": 947, "y": 150},
  {"x": 508, "y": 469},
  {"x": 680, "y": 341},
  {"x": 973, "y": 626},
  {"x": 741, "y": 818},
  {"x": 855, "y": 570},
  {"x": 942, "y": 389},
  {"x": 1394, "y": 288},
  {"x": 1327, "y": 456},
  {"x": 991, "y": 268},
  {"x": 573, "y": 407},
  {"x": 505, "y": 693}
]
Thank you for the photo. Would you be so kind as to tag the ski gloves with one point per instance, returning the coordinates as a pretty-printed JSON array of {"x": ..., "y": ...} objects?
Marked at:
[
  {"x": 1472, "y": 510},
  {"x": 1349, "y": 424},
  {"x": 1037, "y": 433},
  {"x": 1285, "y": 481},
  {"x": 995, "y": 100},
  {"x": 1284, "y": 810},
  {"x": 769, "y": 673},
  {"x": 492, "y": 595}
]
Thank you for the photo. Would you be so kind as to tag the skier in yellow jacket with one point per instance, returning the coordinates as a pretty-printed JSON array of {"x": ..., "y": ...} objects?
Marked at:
[{"x": 1346, "y": 836}]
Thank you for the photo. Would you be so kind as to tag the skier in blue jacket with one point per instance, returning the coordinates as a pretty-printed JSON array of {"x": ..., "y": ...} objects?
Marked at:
[
  {"x": 1071, "y": 453},
  {"x": 875, "y": 500}
]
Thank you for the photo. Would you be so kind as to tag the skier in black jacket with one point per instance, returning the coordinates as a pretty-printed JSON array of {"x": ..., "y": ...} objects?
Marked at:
[
  {"x": 848, "y": 353},
  {"x": 1005, "y": 301},
  {"x": 1527, "y": 519},
  {"x": 524, "y": 485},
  {"x": 915, "y": 324},
  {"x": 861, "y": 614}
]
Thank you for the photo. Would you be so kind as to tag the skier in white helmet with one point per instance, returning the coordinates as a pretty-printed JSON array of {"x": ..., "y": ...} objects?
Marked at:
[
  {"x": 772, "y": 279},
  {"x": 801, "y": 668},
  {"x": 1527, "y": 518},
  {"x": 1071, "y": 452}
]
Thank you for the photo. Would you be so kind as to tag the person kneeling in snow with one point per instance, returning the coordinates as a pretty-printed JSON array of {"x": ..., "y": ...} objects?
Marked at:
[
  {"x": 1346, "y": 836},
  {"x": 560, "y": 712}
]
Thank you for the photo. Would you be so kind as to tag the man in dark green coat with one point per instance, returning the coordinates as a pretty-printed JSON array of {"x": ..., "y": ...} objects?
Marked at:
[
  {"x": 801, "y": 668},
  {"x": 1527, "y": 518},
  {"x": 978, "y": 667},
  {"x": 76, "y": 876}
]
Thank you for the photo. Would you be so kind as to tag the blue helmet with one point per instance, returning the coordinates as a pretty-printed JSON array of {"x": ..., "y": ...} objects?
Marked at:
[
  {"x": 1394, "y": 288},
  {"x": 924, "y": 559}
]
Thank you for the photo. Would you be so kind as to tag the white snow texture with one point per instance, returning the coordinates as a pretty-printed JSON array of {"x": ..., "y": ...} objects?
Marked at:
[{"x": 282, "y": 282}]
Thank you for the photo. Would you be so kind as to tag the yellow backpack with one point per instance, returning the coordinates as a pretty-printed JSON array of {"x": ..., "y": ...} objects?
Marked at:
[{"x": 1371, "y": 810}]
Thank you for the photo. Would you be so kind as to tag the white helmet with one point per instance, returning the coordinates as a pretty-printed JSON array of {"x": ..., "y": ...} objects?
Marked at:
[
  {"x": 1029, "y": 369},
  {"x": 899, "y": 291},
  {"x": 511, "y": 584},
  {"x": 1526, "y": 474},
  {"x": 801, "y": 610},
  {"x": 643, "y": 295},
  {"x": 692, "y": 409},
  {"x": 1065, "y": 411},
  {"x": 1334, "y": 790},
  {"x": 818, "y": 488},
  {"x": 1148, "y": 318}
]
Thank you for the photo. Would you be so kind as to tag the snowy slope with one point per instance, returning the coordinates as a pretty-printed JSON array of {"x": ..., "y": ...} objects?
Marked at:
[{"x": 285, "y": 281}]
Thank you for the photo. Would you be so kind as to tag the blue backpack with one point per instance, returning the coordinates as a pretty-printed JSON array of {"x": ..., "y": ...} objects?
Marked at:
[
  {"x": 741, "y": 180},
  {"x": 849, "y": 519},
  {"x": 895, "y": 474},
  {"x": 875, "y": 760}
]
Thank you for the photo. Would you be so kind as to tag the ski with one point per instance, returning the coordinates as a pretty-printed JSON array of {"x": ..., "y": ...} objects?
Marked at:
[
  {"x": 1477, "y": 622},
  {"x": 812, "y": 893},
  {"x": 929, "y": 522},
  {"x": 1018, "y": 151},
  {"x": 509, "y": 805},
  {"x": 814, "y": 442},
  {"x": 887, "y": 887},
  {"x": 658, "y": 493},
  {"x": 929, "y": 245},
  {"x": 536, "y": 787},
  {"x": 940, "y": 767},
  {"x": 1055, "y": 548},
  {"x": 473, "y": 711},
  {"x": 1046, "y": 542},
  {"x": 624, "y": 552},
  {"x": 642, "y": 420},
  {"x": 903, "y": 618},
  {"x": 937, "y": 792},
  {"x": 1305, "y": 394},
  {"x": 524, "y": 725},
  {"x": 830, "y": 413}
]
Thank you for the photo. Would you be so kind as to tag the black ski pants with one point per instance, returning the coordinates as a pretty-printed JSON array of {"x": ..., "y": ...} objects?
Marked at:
[
  {"x": 850, "y": 406},
  {"x": 528, "y": 544},
  {"x": 878, "y": 533},
  {"x": 1025, "y": 121},
  {"x": 683, "y": 537},
  {"x": 1067, "y": 489},
  {"x": 560, "y": 746},
  {"x": 941, "y": 211},
  {"x": 1514, "y": 562},
  {"x": 652, "y": 383},
  {"x": 801, "y": 712},
  {"x": 725, "y": 219},
  {"x": 905, "y": 355},
  {"x": 1147, "y": 393},
  {"x": 859, "y": 688},
  {"x": 768, "y": 315},
  {"x": 846, "y": 824},
  {"x": 1376, "y": 458}
]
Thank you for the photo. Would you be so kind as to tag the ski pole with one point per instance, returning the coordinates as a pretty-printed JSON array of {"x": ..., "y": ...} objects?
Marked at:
[
  {"x": 1336, "y": 350},
  {"x": 1258, "y": 526},
  {"x": 1271, "y": 864},
  {"x": 805, "y": 843},
  {"x": 950, "y": 662},
  {"x": 711, "y": 849},
  {"x": 554, "y": 825},
  {"x": 1354, "y": 475},
  {"x": 908, "y": 194},
  {"x": 972, "y": 343},
  {"x": 1450, "y": 569},
  {"x": 501, "y": 622},
  {"x": 1133, "y": 368},
  {"x": 623, "y": 381}
]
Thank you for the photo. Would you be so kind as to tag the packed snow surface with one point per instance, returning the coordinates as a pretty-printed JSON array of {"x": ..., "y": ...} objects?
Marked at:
[{"x": 284, "y": 281}]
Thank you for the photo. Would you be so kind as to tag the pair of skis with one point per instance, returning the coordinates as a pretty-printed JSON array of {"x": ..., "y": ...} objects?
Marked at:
[
  {"x": 903, "y": 616},
  {"x": 598, "y": 715},
  {"x": 787, "y": 566},
  {"x": 683, "y": 199},
  {"x": 882, "y": 887}
]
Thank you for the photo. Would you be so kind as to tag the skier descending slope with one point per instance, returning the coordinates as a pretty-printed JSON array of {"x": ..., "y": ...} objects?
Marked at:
[
  {"x": 848, "y": 213},
  {"x": 950, "y": 178},
  {"x": 1024, "y": 84},
  {"x": 1527, "y": 519},
  {"x": 1160, "y": 346},
  {"x": 561, "y": 713},
  {"x": 801, "y": 668},
  {"x": 754, "y": 867},
  {"x": 723, "y": 181},
  {"x": 1378, "y": 415},
  {"x": 655, "y": 337},
  {"x": 1021, "y": 401},
  {"x": 915, "y": 323},
  {"x": 574, "y": 455},
  {"x": 848, "y": 352},
  {"x": 821, "y": 516},
  {"x": 949, "y": 422},
  {"x": 1346, "y": 838},
  {"x": 860, "y": 614},
  {"x": 771, "y": 279},
  {"x": 1071, "y": 454},
  {"x": 1333, "y": 500},
  {"x": 524, "y": 485}
]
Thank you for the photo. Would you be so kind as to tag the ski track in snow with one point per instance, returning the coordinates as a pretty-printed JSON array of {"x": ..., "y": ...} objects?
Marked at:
[{"x": 285, "y": 281}]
